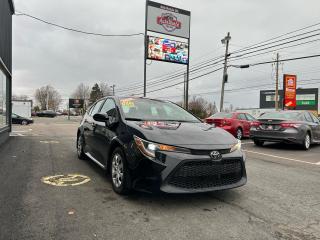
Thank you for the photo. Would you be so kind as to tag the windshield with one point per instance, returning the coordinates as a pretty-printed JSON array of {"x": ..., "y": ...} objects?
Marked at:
[
  {"x": 140, "y": 109},
  {"x": 222, "y": 115},
  {"x": 281, "y": 115}
]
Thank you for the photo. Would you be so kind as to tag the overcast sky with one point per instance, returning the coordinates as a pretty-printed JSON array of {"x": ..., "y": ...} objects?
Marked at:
[{"x": 43, "y": 54}]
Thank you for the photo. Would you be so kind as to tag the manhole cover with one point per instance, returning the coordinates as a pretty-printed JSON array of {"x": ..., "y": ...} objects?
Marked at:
[{"x": 66, "y": 180}]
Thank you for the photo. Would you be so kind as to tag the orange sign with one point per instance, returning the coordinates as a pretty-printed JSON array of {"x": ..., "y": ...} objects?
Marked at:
[{"x": 289, "y": 87}]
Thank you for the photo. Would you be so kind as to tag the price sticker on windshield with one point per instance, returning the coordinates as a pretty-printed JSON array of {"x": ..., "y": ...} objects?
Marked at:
[{"x": 128, "y": 102}]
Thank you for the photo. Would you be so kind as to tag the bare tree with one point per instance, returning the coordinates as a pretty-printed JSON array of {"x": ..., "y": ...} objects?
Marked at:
[
  {"x": 48, "y": 98},
  {"x": 199, "y": 107},
  {"x": 82, "y": 92},
  {"x": 105, "y": 89}
]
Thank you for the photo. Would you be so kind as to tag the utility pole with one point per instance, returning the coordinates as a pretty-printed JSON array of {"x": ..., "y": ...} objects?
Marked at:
[
  {"x": 225, "y": 75},
  {"x": 277, "y": 84}
]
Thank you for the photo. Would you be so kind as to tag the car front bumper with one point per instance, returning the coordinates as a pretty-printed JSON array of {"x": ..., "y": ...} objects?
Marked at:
[{"x": 186, "y": 173}]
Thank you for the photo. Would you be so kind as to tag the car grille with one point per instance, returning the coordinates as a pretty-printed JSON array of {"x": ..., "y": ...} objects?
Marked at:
[{"x": 206, "y": 174}]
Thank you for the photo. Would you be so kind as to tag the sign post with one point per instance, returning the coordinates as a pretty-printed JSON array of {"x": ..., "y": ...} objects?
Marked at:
[
  {"x": 289, "y": 91},
  {"x": 166, "y": 20}
]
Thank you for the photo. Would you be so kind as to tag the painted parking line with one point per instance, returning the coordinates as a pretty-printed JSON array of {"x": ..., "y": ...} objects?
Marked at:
[
  {"x": 243, "y": 143},
  {"x": 285, "y": 158}
]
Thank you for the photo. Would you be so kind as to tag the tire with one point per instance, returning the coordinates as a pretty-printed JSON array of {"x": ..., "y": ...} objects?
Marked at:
[
  {"x": 239, "y": 134},
  {"x": 80, "y": 145},
  {"x": 258, "y": 142},
  {"x": 24, "y": 122},
  {"x": 120, "y": 173},
  {"x": 306, "y": 142}
]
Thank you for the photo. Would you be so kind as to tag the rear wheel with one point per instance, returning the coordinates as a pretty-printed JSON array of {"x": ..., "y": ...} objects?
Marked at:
[
  {"x": 120, "y": 173},
  {"x": 306, "y": 142},
  {"x": 258, "y": 142},
  {"x": 239, "y": 134}
]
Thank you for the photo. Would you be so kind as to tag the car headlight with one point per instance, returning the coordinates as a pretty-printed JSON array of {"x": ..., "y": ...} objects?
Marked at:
[
  {"x": 149, "y": 149},
  {"x": 236, "y": 146}
]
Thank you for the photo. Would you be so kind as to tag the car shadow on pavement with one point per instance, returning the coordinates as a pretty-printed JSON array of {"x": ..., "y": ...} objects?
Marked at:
[{"x": 287, "y": 147}]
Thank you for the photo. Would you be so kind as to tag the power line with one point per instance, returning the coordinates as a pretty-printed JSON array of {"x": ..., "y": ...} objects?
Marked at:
[
  {"x": 77, "y": 30},
  {"x": 273, "y": 38},
  {"x": 280, "y": 44},
  {"x": 182, "y": 82}
]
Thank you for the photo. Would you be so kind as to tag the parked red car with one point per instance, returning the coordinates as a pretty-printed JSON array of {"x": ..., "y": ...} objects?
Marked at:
[{"x": 236, "y": 123}]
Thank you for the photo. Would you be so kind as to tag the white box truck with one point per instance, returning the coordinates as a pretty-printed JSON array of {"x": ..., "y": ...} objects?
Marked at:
[{"x": 22, "y": 108}]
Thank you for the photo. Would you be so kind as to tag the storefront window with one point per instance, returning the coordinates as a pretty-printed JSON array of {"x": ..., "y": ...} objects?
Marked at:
[{"x": 3, "y": 100}]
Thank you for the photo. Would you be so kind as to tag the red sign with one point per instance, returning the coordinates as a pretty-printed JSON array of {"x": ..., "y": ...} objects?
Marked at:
[{"x": 289, "y": 87}]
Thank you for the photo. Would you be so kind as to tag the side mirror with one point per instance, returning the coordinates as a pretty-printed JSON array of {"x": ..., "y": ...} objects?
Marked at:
[{"x": 101, "y": 117}]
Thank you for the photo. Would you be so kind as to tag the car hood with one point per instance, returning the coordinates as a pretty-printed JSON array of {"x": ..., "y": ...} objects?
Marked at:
[{"x": 199, "y": 136}]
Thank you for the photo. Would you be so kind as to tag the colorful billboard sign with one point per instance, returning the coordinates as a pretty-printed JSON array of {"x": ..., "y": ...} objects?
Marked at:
[
  {"x": 290, "y": 88},
  {"x": 168, "y": 20},
  {"x": 163, "y": 49}
]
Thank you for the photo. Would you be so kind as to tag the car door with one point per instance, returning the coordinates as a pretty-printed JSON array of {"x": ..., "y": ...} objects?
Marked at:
[
  {"x": 89, "y": 127},
  {"x": 317, "y": 122},
  {"x": 313, "y": 126},
  {"x": 250, "y": 119},
  {"x": 244, "y": 124},
  {"x": 104, "y": 133}
]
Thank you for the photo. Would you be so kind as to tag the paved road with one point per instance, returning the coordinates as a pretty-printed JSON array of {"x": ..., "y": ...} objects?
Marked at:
[{"x": 280, "y": 201}]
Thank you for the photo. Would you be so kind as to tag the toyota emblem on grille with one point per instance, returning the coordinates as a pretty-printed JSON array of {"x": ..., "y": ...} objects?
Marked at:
[{"x": 215, "y": 155}]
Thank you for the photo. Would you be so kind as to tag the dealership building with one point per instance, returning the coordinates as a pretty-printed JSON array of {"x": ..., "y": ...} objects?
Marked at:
[
  {"x": 306, "y": 99},
  {"x": 6, "y": 12}
]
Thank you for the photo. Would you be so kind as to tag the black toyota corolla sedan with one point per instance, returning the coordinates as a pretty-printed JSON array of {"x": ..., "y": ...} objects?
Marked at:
[{"x": 149, "y": 144}]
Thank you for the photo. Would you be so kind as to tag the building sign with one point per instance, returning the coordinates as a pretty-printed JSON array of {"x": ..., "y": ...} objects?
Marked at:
[
  {"x": 290, "y": 86},
  {"x": 168, "y": 20},
  {"x": 306, "y": 99},
  {"x": 163, "y": 49},
  {"x": 76, "y": 103}
]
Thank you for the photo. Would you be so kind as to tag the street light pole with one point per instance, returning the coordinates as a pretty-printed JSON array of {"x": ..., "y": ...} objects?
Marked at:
[
  {"x": 225, "y": 75},
  {"x": 113, "y": 86}
]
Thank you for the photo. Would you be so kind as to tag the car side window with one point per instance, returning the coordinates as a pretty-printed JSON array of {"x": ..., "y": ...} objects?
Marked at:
[
  {"x": 109, "y": 107},
  {"x": 96, "y": 108},
  {"x": 241, "y": 116},
  {"x": 308, "y": 117},
  {"x": 250, "y": 118},
  {"x": 315, "y": 120}
]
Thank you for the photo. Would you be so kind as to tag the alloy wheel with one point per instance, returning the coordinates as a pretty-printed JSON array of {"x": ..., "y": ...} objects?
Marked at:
[
  {"x": 24, "y": 122},
  {"x": 239, "y": 134},
  {"x": 307, "y": 142},
  {"x": 117, "y": 170}
]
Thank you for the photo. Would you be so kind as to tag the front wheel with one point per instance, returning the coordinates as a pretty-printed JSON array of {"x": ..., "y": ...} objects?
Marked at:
[
  {"x": 258, "y": 142},
  {"x": 306, "y": 142},
  {"x": 80, "y": 145},
  {"x": 24, "y": 122},
  {"x": 120, "y": 173},
  {"x": 239, "y": 134}
]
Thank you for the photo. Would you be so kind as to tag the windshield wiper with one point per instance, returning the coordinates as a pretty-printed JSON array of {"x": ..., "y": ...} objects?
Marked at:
[{"x": 134, "y": 119}]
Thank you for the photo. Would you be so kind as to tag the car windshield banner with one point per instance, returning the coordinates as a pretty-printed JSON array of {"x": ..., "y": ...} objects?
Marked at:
[
  {"x": 76, "y": 103},
  {"x": 163, "y": 49},
  {"x": 168, "y": 20},
  {"x": 290, "y": 88}
]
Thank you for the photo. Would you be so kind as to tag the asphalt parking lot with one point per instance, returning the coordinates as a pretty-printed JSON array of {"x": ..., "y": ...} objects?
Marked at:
[{"x": 280, "y": 201}]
